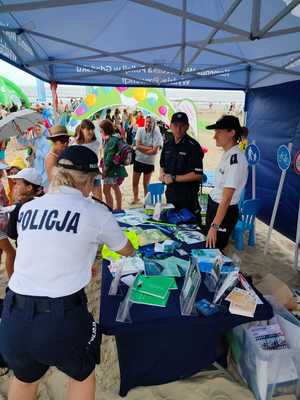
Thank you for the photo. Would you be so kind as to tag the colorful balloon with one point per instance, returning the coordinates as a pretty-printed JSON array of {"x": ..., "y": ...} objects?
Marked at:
[
  {"x": 90, "y": 99},
  {"x": 140, "y": 94},
  {"x": 204, "y": 149},
  {"x": 81, "y": 110},
  {"x": 107, "y": 89},
  {"x": 163, "y": 110},
  {"x": 121, "y": 88},
  {"x": 151, "y": 101}
]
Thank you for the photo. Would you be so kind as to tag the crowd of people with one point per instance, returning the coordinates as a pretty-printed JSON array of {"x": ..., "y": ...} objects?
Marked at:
[
  {"x": 63, "y": 194},
  {"x": 181, "y": 162}
]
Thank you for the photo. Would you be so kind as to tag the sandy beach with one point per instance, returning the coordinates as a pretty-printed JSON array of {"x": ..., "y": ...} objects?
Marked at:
[{"x": 213, "y": 386}]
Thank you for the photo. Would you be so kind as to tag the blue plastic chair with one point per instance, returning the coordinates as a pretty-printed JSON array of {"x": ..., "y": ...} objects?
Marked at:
[
  {"x": 242, "y": 199},
  {"x": 246, "y": 222},
  {"x": 209, "y": 179},
  {"x": 156, "y": 191}
]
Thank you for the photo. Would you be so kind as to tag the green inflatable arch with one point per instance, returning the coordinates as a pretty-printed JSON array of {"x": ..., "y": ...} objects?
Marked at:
[
  {"x": 9, "y": 91},
  {"x": 149, "y": 99}
]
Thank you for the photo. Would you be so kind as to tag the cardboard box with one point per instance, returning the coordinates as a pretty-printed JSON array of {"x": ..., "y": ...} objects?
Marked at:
[{"x": 270, "y": 285}]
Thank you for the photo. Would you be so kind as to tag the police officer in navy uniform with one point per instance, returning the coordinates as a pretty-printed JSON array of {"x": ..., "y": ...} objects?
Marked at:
[
  {"x": 45, "y": 321},
  {"x": 181, "y": 165},
  {"x": 231, "y": 177}
]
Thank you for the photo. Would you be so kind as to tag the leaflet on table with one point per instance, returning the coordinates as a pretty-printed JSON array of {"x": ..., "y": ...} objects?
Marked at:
[
  {"x": 163, "y": 206},
  {"x": 132, "y": 218},
  {"x": 128, "y": 265},
  {"x": 208, "y": 253},
  {"x": 128, "y": 280},
  {"x": 246, "y": 286},
  {"x": 241, "y": 303},
  {"x": 161, "y": 268},
  {"x": 168, "y": 246},
  {"x": 214, "y": 255},
  {"x": 189, "y": 236},
  {"x": 148, "y": 236},
  {"x": 175, "y": 264}
]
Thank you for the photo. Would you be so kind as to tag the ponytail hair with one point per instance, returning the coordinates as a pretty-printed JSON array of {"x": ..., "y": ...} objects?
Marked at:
[{"x": 241, "y": 134}]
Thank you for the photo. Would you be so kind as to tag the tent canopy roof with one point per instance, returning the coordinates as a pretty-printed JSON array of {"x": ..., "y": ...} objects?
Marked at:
[{"x": 225, "y": 44}]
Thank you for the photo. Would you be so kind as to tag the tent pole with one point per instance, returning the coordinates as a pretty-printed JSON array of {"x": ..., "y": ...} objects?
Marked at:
[
  {"x": 297, "y": 242},
  {"x": 53, "y": 86},
  {"x": 276, "y": 204}
]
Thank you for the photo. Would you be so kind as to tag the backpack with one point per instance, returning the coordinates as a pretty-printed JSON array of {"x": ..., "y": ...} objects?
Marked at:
[{"x": 124, "y": 156}]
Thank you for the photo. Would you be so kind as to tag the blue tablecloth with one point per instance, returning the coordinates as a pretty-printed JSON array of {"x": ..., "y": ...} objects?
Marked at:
[{"x": 160, "y": 345}]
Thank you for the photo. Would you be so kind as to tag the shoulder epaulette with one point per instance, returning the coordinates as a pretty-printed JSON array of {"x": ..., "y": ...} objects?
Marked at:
[
  {"x": 102, "y": 202},
  {"x": 233, "y": 159}
]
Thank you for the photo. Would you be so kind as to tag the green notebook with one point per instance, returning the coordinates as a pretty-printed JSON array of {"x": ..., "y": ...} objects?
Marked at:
[
  {"x": 142, "y": 298},
  {"x": 157, "y": 286}
]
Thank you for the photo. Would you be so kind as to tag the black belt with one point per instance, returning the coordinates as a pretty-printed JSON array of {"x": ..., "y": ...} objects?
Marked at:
[{"x": 43, "y": 304}]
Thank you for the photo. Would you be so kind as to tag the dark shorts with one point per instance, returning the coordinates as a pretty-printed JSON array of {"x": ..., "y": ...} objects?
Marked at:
[
  {"x": 141, "y": 168},
  {"x": 33, "y": 339}
]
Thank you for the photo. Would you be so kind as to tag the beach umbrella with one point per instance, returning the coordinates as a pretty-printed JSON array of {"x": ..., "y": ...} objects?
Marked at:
[
  {"x": 18, "y": 121},
  {"x": 11, "y": 94}
]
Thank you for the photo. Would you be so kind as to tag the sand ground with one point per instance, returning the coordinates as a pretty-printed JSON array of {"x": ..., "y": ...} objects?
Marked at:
[{"x": 279, "y": 261}]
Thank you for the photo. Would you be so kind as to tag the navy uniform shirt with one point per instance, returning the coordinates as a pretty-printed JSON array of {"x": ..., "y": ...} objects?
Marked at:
[{"x": 180, "y": 159}]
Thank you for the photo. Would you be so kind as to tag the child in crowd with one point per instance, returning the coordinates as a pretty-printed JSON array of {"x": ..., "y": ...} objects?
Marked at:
[
  {"x": 113, "y": 175},
  {"x": 14, "y": 167},
  {"x": 27, "y": 186},
  {"x": 5, "y": 245}
]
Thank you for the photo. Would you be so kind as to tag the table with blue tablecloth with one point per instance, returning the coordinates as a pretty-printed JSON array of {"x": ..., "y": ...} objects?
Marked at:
[{"x": 160, "y": 345}]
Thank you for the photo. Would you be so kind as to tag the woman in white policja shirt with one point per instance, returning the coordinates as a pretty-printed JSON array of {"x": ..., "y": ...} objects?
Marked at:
[
  {"x": 231, "y": 178},
  {"x": 45, "y": 319}
]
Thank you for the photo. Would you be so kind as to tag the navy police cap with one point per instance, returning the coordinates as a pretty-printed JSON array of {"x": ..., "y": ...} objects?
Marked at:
[
  {"x": 179, "y": 118},
  {"x": 82, "y": 158},
  {"x": 228, "y": 122}
]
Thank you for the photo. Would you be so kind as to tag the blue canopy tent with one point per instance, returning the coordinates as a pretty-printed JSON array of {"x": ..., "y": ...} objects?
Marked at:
[{"x": 219, "y": 44}]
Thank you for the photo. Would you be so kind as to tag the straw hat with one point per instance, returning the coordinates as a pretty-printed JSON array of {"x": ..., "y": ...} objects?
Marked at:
[
  {"x": 18, "y": 162},
  {"x": 57, "y": 131}
]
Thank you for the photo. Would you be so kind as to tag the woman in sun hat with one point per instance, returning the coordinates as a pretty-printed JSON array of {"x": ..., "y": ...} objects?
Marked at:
[{"x": 59, "y": 137}]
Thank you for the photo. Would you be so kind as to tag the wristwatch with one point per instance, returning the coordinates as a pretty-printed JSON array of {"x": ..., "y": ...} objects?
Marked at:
[
  {"x": 215, "y": 226},
  {"x": 173, "y": 178}
]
